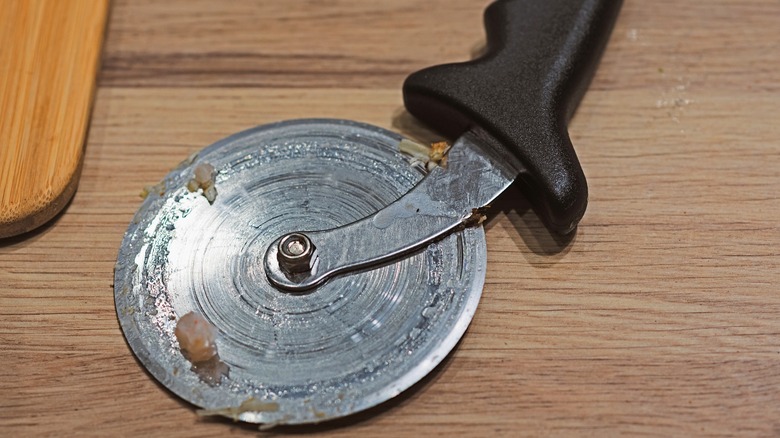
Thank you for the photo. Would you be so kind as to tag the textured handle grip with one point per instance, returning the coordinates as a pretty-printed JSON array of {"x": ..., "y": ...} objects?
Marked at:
[{"x": 541, "y": 55}]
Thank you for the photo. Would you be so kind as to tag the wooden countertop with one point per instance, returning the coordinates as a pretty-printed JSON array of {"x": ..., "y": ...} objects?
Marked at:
[{"x": 661, "y": 317}]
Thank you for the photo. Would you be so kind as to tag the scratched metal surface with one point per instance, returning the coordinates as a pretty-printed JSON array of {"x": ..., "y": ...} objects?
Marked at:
[{"x": 349, "y": 344}]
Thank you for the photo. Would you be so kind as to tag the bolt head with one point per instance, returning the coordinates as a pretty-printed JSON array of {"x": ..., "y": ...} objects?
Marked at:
[{"x": 295, "y": 253}]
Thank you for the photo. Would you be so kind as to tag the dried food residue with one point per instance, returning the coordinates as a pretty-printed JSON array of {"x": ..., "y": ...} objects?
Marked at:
[
  {"x": 477, "y": 216},
  {"x": 189, "y": 160},
  {"x": 198, "y": 344},
  {"x": 249, "y": 405},
  {"x": 428, "y": 156},
  {"x": 158, "y": 188},
  {"x": 203, "y": 179}
]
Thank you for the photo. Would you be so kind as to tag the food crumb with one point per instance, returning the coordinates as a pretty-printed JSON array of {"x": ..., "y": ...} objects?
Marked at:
[
  {"x": 189, "y": 160},
  {"x": 319, "y": 414},
  {"x": 158, "y": 188},
  {"x": 249, "y": 405},
  {"x": 438, "y": 153},
  {"x": 210, "y": 193},
  {"x": 428, "y": 156},
  {"x": 197, "y": 337},
  {"x": 203, "y": 179},
  {"x": 198, "y": 344},
  {"x": 477, "y": 216}
]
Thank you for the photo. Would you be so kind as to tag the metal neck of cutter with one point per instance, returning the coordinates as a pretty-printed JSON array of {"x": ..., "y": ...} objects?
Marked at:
[{"x": 478, "y": 169}]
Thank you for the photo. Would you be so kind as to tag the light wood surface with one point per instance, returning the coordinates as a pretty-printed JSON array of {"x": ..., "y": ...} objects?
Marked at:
[
  {"x": 48, "y": 70},
  {"x": 661, "y": 317}
]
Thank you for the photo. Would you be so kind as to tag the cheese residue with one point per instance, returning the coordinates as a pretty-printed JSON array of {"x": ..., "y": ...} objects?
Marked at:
[
  {"x": 198, "y": 344},
  {"x": 197, "y": 338},
  {"x": 203, "y": 179},
  {"x": 249, "y": 405},
  {"x": 428, "y": 156}
]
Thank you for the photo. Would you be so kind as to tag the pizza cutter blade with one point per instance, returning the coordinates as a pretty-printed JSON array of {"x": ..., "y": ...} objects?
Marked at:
[
  {"x": 334, "y": 270},
  {"x": 353, "y": 342}
]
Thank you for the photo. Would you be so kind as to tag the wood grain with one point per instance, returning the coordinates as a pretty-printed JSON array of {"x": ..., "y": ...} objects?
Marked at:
[
  {"x": 661, "y": 317},
  {"x": 48, "y": 69}
]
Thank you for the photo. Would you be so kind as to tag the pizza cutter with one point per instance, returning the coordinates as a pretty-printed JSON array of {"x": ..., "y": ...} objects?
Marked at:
[{"x": 335, "y": 270}]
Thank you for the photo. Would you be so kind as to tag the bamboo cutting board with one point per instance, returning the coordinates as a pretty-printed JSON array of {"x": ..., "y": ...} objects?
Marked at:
[{"x": 48, "y": 66}]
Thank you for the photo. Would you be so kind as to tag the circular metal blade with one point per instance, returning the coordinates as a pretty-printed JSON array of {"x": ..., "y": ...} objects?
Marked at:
[{"x": 347, "y": 345}]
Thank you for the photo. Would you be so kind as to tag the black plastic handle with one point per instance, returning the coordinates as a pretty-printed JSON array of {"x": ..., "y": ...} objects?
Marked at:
[{"x": 541, "y": 56}]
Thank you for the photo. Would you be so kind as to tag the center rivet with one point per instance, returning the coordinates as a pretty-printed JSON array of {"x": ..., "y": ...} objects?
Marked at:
[
  {"x": 295, "y": 248},
  {"x": 295, "y": 253}
]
